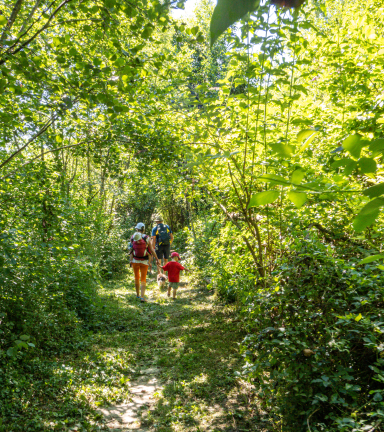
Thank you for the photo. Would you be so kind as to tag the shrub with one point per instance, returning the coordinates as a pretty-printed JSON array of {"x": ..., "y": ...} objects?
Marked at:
[{"x": 315, "y": 345}]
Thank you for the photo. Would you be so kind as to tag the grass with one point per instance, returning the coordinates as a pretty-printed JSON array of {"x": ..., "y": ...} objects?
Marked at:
[{"x": 194, "y": 343}]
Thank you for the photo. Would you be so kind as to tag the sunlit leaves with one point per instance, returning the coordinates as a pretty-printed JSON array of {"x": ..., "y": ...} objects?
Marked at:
[
  {"x": 306, "y": 137},
  {"x": 227, "y": 12},
  {"x": 274, "y": 179},
  {"x": 368, "y": 214},
  {"x": 353, "y": 145},
  {"x": 372, "y": 206},
  {"x": 367, "y": 165},
  {"x": 376, "y": 145},
  {"x": 363, "y": 221},
  {"x": 374, "y": 191},
  {"x": 282, "y": 150},
  {"x": 298, "y": 198},
  {"x": 371, "y": 258},
  {"x": 263, "y": 198},
  {"x": 297, "y": 176}
]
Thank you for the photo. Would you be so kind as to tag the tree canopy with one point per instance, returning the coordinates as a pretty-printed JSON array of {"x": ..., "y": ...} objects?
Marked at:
[{"x": 255, "y": 129}]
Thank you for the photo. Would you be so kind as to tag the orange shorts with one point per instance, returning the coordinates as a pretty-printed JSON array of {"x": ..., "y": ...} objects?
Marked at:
[{"x": 140, "y": 268}]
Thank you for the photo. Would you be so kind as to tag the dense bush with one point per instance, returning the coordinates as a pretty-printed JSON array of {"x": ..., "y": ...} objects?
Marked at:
[
  {"x": 315, "y": 345},
  {"x": 231, "y": 269},
  {"x": 114, "y": 253}
]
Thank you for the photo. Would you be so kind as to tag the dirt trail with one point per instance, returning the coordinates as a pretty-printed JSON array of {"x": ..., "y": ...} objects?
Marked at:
[
  {"x": 127, "y": 417},
  {"x": 184, "y": 378}
]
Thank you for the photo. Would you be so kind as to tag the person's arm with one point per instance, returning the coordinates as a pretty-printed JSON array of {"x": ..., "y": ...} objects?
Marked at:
[
  {"x": 153, "y": 251},
  {"x": 153, "y": 242},
  {"x": 182, "y": 268},
  {"x": 171, "y": 235}
]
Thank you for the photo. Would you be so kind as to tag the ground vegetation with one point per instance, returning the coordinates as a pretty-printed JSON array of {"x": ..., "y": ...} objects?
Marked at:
[{"x": 262, "y": 146}]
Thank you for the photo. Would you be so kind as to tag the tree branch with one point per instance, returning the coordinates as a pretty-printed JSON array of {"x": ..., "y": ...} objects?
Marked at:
[
  {"x": 37, "y": 134},
  {"x": 41, "y": 155},
  {"x": 30, "y": 15},
  {"x": 12, "y": 18},
  {"x": 46, "y": 25}
]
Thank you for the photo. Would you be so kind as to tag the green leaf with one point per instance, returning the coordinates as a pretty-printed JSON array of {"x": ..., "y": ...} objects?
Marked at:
[
  {"x": 11, "y": 351},
  {"x": 282, "y": 150},
  {"x": 147, "y": 32},
  {"x": 306, "y": 135},
  {"x": 350, "y": 166},
  {"x": 194, "y": 30},
  {"x": 367, "y": 165},
  {"x": 21, "y": 344},
  {"x": 374, "y": 191},
  {"x": 298, "y": 198},
  {"x": 340, "y": 163},
  {"x": 371, "y": 258},
  {"x": 227, "y": 12},
  {"x": 200, "y": 38},
  {"x": 297, "y": 176},
  {"x": 377, "y": 145},
  {"x": 307, "y": 142},
  {"x": 263, "y": 198},
  {"x": 353, "y": 145},
  {"x": 372, "y": 206},
  {"x": 24, "y": 337},
  {"x": 363, "y": 221},
  {"x": 274, "y": 179},
  {"x": 359, "y": 317},
  {"x": 3, "y": 20}
]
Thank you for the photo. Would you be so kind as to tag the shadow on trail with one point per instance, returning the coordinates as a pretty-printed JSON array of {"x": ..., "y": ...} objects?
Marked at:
[
  {"x": 193, "y": 345},
  {"x": 198, "y": 359}
]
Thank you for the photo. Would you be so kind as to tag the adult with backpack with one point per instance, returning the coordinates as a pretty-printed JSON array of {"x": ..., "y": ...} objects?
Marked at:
[
  {"x": 162, "y": 238},
  {"x": 141, "y": 250}
]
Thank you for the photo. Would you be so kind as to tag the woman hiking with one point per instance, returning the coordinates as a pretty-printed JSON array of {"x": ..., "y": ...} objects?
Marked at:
[{"x": 141, "y": 250}]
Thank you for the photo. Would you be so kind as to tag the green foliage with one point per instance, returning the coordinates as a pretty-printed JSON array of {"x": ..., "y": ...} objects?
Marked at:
[
  {"x": 227, "y": 12},
  {"x": 315, "y": 350},
  {"x": 112, "y": 111}
]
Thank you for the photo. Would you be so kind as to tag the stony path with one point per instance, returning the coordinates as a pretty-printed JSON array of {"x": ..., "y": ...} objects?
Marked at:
[
  {"x": 184, "y": 377},
  {"x": 127, "y": 416}
]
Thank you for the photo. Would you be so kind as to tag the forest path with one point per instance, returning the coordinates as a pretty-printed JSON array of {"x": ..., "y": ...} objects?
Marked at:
[{"x": 184, "y": 356}]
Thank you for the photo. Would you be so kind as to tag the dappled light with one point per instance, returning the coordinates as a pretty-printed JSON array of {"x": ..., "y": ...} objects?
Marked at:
[{"x": 191, "y": 201}]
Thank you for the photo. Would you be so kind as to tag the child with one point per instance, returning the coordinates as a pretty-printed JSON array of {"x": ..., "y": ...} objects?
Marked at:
[{"x": 173, "y": 268}]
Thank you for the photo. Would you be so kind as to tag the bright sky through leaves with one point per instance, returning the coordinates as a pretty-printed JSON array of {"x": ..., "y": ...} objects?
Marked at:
[{"x": 187, "y": 12}]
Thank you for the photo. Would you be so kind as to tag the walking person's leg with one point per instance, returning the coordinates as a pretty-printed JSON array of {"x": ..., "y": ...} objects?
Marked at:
[
  {"x": 174, "y": 286},
  {"x": 166, "y": 253},
  {"x": 143, "y": 285},
  {"x": 150, "y": 264},
  {"x": 136, "y": 271},
  {"x": 160, "y": 253}
]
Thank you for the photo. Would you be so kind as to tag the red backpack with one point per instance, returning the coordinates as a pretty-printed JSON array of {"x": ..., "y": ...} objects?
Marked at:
[{"x": 140, "y": 248}]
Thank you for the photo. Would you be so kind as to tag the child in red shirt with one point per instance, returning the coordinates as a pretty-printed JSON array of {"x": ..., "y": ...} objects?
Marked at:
[{"x": 173, "y": 268}]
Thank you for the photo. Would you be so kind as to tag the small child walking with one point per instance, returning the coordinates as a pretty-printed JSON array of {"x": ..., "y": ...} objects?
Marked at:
[{"x": 173, "y": 268}]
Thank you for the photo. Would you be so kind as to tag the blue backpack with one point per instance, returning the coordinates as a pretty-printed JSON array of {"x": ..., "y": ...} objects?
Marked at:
[{"x": 164, "y": 234}]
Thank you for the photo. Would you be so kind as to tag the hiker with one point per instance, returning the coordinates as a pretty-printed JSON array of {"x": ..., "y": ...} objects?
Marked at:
[
  {"x": 173, "y": 268},
  {"x": 162, "y": 238},
  {"x": 141, "y": 250}
]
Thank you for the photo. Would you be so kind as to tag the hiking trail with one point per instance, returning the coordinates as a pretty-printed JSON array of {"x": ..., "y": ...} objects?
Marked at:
[{"x": 184, "y": 356}]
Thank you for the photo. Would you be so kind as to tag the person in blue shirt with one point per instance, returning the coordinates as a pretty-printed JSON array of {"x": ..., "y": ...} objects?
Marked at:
[{"x": 162, "y": 239}]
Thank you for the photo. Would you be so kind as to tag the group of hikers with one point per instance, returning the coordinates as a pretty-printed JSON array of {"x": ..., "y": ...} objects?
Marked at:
[{"x": 143, "y": 250}]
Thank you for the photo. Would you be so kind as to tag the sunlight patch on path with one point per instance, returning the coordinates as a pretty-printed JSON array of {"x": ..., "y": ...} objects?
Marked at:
[
  {"x": 185, "y": 355},
  {"x": 127, "y": 416}
]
